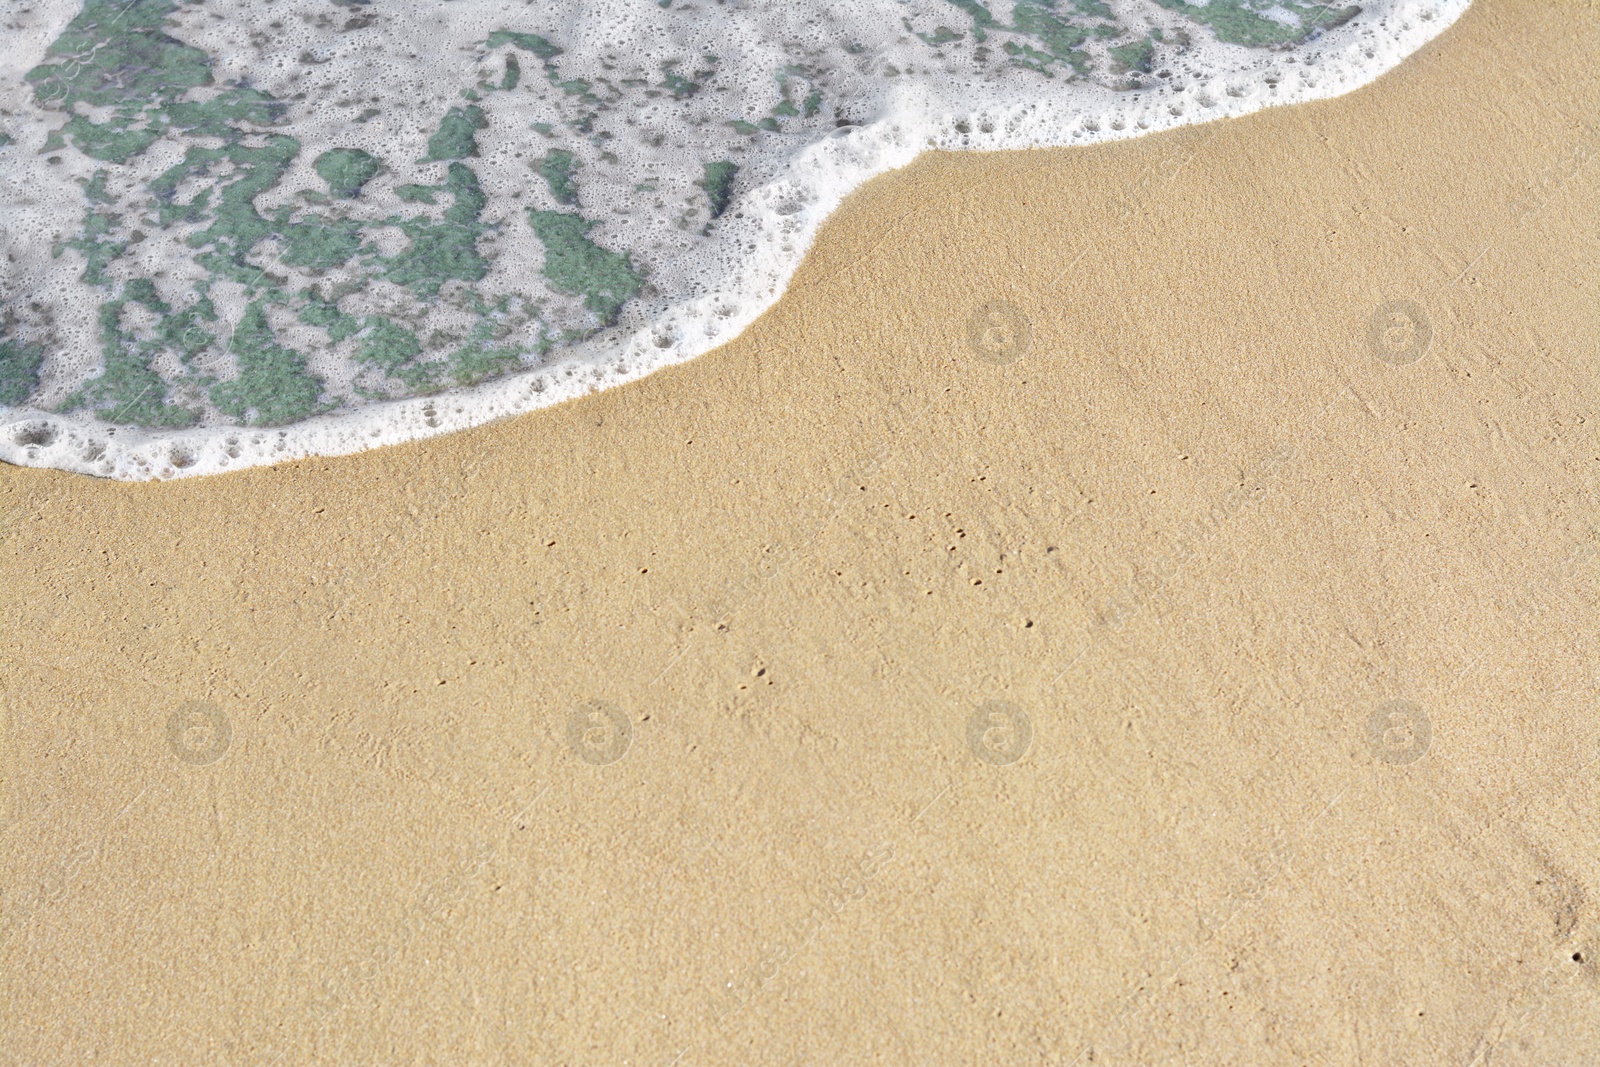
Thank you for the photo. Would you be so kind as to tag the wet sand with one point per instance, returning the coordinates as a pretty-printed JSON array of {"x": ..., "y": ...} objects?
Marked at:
[{"x": 1132, "y": 604}]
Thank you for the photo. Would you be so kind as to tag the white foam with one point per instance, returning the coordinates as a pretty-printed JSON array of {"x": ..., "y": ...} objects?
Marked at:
[{"x": 707, "y": 290}]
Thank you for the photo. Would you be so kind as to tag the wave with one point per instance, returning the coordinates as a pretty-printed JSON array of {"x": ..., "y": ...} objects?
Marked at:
[{"x": 238, "y": 234}]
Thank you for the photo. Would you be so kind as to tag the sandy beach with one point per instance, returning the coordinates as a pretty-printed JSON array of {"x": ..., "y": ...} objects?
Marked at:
[{"x": 1130, "y": 604}]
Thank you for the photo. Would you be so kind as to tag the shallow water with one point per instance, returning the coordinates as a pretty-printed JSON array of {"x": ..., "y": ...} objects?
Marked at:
[{"x": 237, "y": 233}]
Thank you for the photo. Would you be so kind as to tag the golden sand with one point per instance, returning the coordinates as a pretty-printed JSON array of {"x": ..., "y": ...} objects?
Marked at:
[{"x": 1211, "y": 679}]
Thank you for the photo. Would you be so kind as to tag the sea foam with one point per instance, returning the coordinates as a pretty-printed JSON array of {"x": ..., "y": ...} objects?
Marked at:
[{"x": 238, "y": 233}]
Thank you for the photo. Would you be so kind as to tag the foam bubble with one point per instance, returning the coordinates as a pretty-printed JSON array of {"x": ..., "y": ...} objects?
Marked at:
[{"x": 311, "y": 229}]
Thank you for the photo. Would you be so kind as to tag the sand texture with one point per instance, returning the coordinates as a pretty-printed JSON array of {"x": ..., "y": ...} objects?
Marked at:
[{"x": 1125, "y": 605}]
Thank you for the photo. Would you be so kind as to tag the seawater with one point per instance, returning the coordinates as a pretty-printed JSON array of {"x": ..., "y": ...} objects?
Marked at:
[{"x": 236, "y": 231}]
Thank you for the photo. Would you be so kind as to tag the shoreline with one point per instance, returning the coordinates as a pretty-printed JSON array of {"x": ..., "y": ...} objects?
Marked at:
[
  {"x": 1128, "y": 601},
  {"x": 772, "y": 224}
]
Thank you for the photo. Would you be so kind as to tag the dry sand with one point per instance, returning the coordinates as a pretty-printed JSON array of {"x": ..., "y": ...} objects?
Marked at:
[{"x": 1296, "y": 590}]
